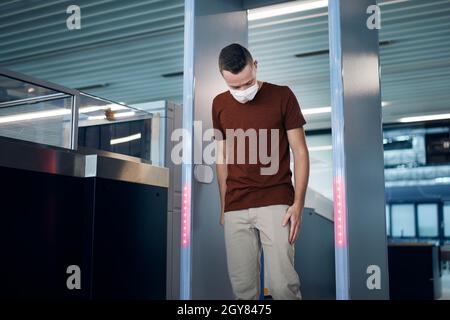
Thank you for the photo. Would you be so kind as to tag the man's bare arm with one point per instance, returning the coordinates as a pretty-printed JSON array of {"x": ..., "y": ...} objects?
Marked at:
[
  {"x": 221, "y": 169},
  {"x": 297, "y": 143}
]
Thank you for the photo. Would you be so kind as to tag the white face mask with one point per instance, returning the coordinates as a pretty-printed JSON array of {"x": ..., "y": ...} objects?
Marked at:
[{"x": 248, "y": 94}]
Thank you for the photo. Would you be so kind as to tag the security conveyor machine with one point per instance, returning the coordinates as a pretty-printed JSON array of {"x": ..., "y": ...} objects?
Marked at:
[{"x": 78, "y": 222}]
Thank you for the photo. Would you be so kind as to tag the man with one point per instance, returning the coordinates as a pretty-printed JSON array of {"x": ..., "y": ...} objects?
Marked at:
[{"x": 259, "y": 209}]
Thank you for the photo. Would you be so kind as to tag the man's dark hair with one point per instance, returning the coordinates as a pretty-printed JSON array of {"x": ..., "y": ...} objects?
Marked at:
[{"x": 234, "y": 58}]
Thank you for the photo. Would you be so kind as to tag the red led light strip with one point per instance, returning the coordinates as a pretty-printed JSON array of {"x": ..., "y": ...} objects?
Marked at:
[
  {"x": 340, "y": 223},
  {"x": 185, "y": 217}
]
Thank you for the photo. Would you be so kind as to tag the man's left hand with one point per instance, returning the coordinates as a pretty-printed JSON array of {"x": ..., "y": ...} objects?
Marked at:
[{"x": 293, "y": 215}]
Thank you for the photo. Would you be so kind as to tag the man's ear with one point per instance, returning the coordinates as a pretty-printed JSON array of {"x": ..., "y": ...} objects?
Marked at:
[{"x": 256, "y": 64}]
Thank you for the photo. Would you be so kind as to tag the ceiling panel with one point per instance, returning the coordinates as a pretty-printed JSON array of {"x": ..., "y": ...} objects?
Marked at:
[{"x": 415, "y": 64}]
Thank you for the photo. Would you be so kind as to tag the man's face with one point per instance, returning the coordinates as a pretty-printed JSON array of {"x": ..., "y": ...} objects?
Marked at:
[{"x": 244, "y": 79}]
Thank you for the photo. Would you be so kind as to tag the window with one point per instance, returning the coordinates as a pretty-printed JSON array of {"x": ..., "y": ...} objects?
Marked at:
[
  {"x": 427, "y": 218},
  {"x": 403, "y": 220},
  {"x": 447, "y": 219}
]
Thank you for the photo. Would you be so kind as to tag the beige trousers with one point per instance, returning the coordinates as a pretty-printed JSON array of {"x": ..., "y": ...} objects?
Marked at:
[{"x": 246, "y": 232}]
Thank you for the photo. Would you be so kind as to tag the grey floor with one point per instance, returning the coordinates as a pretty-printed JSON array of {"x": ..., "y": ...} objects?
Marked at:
[{"x": 445, "y": 281}]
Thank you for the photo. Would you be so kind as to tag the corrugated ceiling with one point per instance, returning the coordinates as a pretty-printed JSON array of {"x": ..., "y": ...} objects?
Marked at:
[
  {"x": 125, "y": 48},
  {"x": 121, "y": 51}
]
